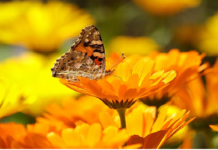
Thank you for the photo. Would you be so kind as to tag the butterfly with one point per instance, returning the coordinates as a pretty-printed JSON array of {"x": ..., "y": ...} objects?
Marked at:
[{"x": 86, "y": 58}]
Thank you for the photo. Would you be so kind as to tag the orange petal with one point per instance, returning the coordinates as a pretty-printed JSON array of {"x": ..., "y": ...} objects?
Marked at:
[{"x": 214, "y": 127}]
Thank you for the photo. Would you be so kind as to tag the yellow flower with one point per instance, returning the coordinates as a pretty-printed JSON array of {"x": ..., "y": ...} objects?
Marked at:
[
  {"x": 13, "y": 99},
  {"x": 133, "y": 45},
  {"x": 128, "y": 84},
  {"x": 166, "y": 7},
  {"x": 41, "y": 27},
  {"x": 144, "y": 129},
  {"x": 186, "y": 66},
  {"x": 31, "y": 72},
  {"x": 209, "y": 36}
]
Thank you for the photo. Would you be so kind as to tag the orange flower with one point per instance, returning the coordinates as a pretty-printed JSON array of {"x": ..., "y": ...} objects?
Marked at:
[
  {"x": 128, "y": 84},
  {"x": 201, "y": 100},
  {"x": 10, "y": 132},
  {"x": 41, "y": 136},
  {"x": 166, "y": 7},
  {"x": 89, "y": 136},
  {"x": 214, "y": 127},
  {"x": 186, "y": 66},
  {"x": 16, "y": 136},
  {"x": 143, "y": 128},
  {"x": 85, "y": 109}
]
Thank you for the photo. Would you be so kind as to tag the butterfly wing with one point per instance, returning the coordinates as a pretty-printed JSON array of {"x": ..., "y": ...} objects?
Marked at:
[{"x": 86, "y": 57}]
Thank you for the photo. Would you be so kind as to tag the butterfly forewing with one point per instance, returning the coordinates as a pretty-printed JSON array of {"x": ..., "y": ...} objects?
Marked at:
[{"x": 86, "y": 57}]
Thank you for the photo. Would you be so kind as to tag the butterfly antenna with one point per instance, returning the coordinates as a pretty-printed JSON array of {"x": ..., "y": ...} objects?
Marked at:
[
  {"x": 121, "y": 58},
  {"x": 117, "y": 77}
]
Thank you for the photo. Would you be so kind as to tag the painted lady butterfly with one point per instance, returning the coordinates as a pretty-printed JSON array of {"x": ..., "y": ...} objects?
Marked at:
[{"x": 86, "y": 58}]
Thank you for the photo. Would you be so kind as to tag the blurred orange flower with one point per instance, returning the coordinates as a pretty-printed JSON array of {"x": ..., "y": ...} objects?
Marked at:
[
  {"x": 89, "y": 136},
  {"x": 82, "y": 136},
  {"x": 166, "y": 7},
  {"x": 10, "y": 132},
  {"x": 201, "y": 100},
  {"x": 41, "y": 27},
  {"x": 128, "y": 84},
  {"x": 188, "y": 34},
  {"x": 214, "y": 127},
  {"x": 186, "y": 66},
  {"x": 85, "y": 109}
]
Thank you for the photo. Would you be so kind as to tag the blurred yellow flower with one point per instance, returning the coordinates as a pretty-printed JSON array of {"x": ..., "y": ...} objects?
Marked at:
[
  {"x": 41, "y": 27},
  {"x": 133, "y": 45},
  {"x": 186, "y": 66},
  {"x": 126, "y": 85},
  {"x": 166, "y": 7},
  {"x": 13, "y": 99},
  {"x": 31, "y": 72},
  {"x": 209, "y": 36}
]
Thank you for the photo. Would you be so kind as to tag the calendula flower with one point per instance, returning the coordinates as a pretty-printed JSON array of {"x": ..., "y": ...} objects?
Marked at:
[
  {"x": 208, "y": 36},
  {"x": 15, "y": 136},
  {"x": 185, "y": 64},
  {"x": 13, "y": 99},
  {"x": 85, "y": 109},
  {"x": 201, "y": 100},
  {"x": 30, "y": 72},
  {"x": 144, "y": 129},
  {"x": 82, "y": 136},
  {"x": 126, "y": 86},
  {"x": 89, "y": 136},
  {"x": 167, "y": 7},
  {"x": 136, "y": 45},
  {"x": 9, "y": 133},
  {"x": 41, "y": 27},
  {"x": 122, "y": 89}
]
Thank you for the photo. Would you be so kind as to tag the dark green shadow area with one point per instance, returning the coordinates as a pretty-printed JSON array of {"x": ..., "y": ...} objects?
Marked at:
[{"x": 19, "y": 118}]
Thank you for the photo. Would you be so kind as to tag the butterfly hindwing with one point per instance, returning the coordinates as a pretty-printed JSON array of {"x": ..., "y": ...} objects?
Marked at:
[{"x": 86, "y": 57}]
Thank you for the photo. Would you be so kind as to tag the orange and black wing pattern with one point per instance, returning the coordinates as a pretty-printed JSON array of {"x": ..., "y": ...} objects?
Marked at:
[{"x": 86, "y": 57}]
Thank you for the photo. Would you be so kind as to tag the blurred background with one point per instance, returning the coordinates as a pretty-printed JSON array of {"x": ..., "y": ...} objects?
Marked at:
[{"x": 33, "y": 34}]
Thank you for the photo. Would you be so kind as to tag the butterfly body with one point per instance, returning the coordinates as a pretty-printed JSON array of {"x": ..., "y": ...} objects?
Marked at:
[{"x": 86, "y": 58}]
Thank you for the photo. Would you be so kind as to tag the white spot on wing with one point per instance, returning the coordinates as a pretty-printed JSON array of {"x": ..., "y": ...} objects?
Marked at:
[{"x": 78, "y": 65}]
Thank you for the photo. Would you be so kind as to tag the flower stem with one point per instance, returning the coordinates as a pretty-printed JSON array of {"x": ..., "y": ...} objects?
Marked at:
[{"x": 122, "y": 112}]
